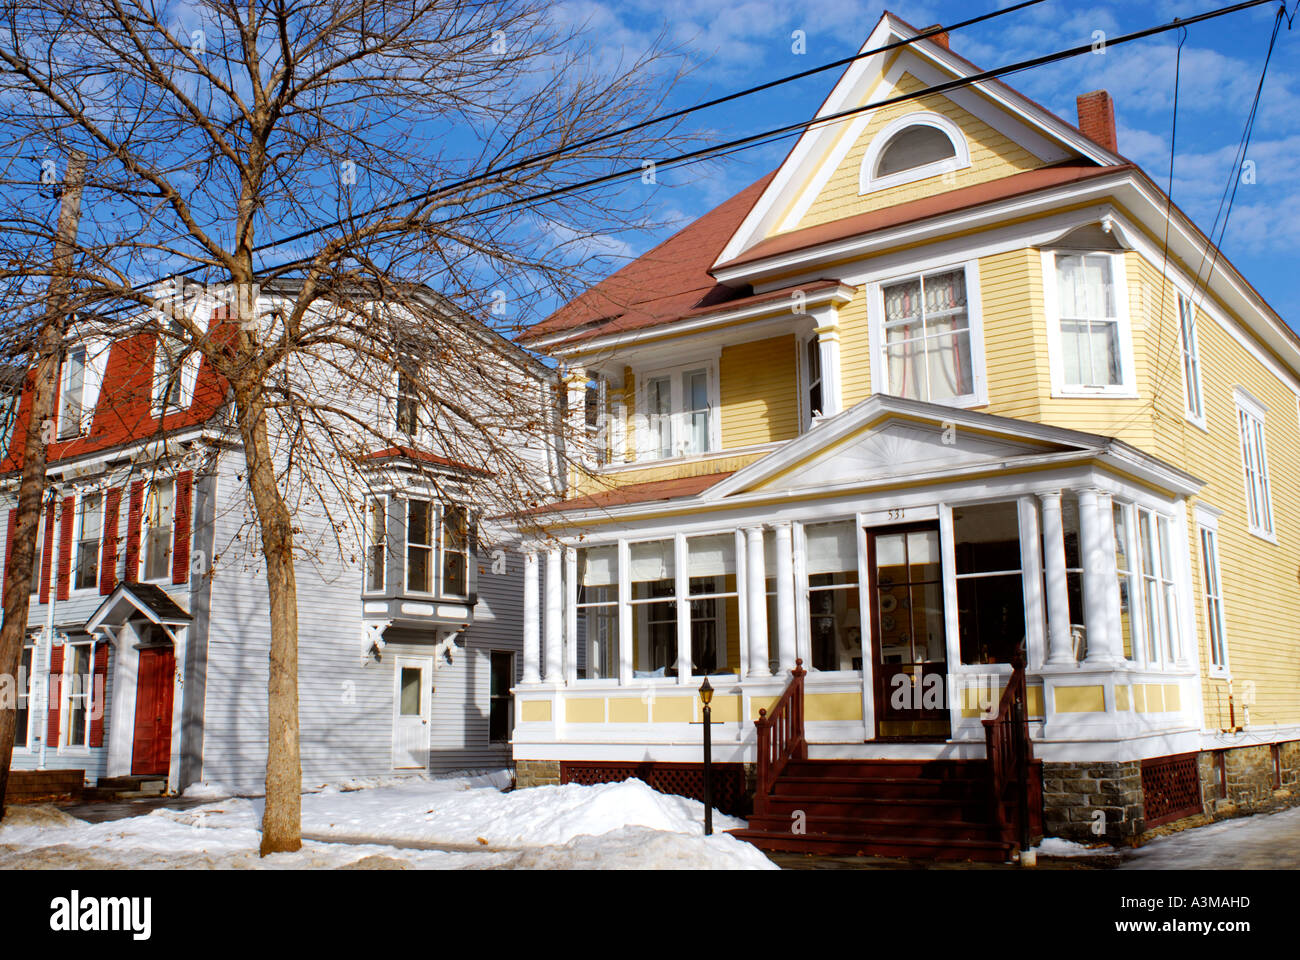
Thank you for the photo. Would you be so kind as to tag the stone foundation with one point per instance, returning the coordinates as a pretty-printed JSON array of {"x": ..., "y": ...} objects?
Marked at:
[
  {"x": 1250, "y": 779},
  {"x": 1094, "y": 802},
  {"x": 537, "y": 773}
]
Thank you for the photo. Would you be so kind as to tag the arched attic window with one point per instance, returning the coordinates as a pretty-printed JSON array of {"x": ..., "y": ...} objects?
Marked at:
[{"x": 913, "y": 147}]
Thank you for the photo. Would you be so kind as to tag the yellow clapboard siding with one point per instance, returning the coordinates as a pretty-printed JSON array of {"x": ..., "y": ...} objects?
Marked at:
[
  {"x": 759, "y": 392},
  {"x": 992, "y": 156}
]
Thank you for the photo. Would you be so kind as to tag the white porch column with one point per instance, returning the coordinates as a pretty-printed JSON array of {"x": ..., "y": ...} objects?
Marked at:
[
  {"x": 1096, "y": 590},
  {"x": 1058, "y": 591},
  {"x": 570, "y": 615},
  {"x": 554, "y": 624},
  {"x": 756, "y": 602},
  {"x": 532, "y": 618},
  {"x": 828, "y": 344},
  {"x": 785, "y": 618},
  {"x": 682, "y": 587}
]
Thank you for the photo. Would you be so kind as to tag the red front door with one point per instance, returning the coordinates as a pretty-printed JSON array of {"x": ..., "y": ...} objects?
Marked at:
[{"x": 153, "y": 712}]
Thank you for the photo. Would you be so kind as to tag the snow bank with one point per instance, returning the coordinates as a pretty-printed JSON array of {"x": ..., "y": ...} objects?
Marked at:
[{"x": 1056, "y": 847}]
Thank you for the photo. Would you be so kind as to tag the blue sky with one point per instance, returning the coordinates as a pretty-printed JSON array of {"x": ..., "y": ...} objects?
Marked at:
[{"x": 732, "y": 44}]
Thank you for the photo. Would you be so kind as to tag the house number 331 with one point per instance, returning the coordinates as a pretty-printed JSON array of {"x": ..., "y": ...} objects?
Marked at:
[{"x": 896, "y": 513}]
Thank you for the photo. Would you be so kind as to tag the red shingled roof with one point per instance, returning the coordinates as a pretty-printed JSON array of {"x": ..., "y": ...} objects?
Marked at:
[
  {"x": 661, "y": 285},
  {"x": 416, "y": 455},
  {"x": 124, "y": 410}
]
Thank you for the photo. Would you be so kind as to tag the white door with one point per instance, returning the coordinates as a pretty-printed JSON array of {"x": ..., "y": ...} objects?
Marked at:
[{"x": 411, "y": 696}]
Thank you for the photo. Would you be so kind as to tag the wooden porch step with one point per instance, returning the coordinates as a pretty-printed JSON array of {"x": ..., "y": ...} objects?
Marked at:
[
  {"x": 851, "y": 826},
  {"x": 927, "y": 848},
  {"x": 893, "y": 787},
  {"x": 902, "y": 809},
  {"x": 875, "y": 769}
]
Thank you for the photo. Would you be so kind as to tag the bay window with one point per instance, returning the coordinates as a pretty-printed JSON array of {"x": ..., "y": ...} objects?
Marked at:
[
  {"x": 1126, "y": 576},
  {"x": 928, "y": 342},
  {"x": 438, "y": 538},
  {"x": 419, "y": 546},
  {"x": 1159, "y": 591},
  {"x": 455, "y": 550}
]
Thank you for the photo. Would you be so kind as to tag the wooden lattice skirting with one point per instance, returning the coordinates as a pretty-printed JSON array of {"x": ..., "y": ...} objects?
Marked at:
[
  {"x": 682, "y": 779},
  {"x": 1171, "y": 788}
]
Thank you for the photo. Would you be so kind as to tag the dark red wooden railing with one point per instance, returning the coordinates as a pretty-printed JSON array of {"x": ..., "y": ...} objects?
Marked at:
[
  {"x": 780, "y": 737},
  {"x": 1010, "y": 753}
]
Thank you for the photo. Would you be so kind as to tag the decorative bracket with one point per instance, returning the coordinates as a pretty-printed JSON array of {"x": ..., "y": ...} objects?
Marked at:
[{"x": 372, "y": 639}]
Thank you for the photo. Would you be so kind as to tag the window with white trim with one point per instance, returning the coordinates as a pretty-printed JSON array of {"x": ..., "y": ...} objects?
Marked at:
[
  {"x": 913, "y": 147},
  {"x": 168, "y": 368},
  {"x": 1254, "y": 460},
  {"x": 438, "y": 538},
  {"x": 160, "y": 503},
  {"x": 38, "y": 552},
  {"x": 1088, "y": 324},
  {"x": 928, "y": 343},
  {"x": 72, "y": 394},
  {"x": 1215, "y": 629},
  {"x": 1194, "y": 405},
  {"x": 376, "y": 543},
  {"x": 598, "y": 608},
  {"x": 23, "y": 719},
  {"x": 678, "y": 413},
  {"x": 85, "y": 563},
  {"x": 1159, "y": 590},
  {"x": 812, "y": 369},
  {"x": 76, "y": 687}
]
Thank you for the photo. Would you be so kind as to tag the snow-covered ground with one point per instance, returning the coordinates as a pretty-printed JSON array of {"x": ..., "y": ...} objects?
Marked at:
[
  {"x": 423, "y": 823},
  {"x": 1266, "y": 841}
]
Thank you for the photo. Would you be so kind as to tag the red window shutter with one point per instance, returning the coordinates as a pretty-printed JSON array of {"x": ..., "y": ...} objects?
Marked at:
[
  {"x": 99, "y": 685},
  {"x": 65, "y": 545},
  {"x": 134, "y": 512},
  {"x": 181, "y": 518},
  {"x": 47, "y": 552},
  {"x": 9, "y": 542},
  {"x": 108, "y": 550},
  {"x": 56, "y": 695}
]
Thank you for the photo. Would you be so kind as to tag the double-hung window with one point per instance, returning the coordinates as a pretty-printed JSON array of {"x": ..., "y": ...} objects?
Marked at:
[
  {"x": 1159, "y": 590},
  {"x": 1091, "y": 334},
  {"x": 1194, "y": 404},
  {"x": 813, "y": 379},
  {"x": 420, "y": 532},
  {"x": 1254, "y": 460},
  {"x": 72, "y": 394},
  {"x": 408, "y": 407},
  {"x": 1215, "y": 629},
  {"x": 928, "y": 344},
  {"x": 89, "y": 527},
  {"x": 77, "y": 681},
  {"x": 455, "y": 551},
  {"x": 158, "y": 529},
  {"x": 501, "y": 704},
  {"x": 24, "y": 694},
  {"x": 376, "y": 543},
  {"x": 437, "y": 548},
  {"x": 598, "y": 608},
  {"x": 678, "y": 413}
]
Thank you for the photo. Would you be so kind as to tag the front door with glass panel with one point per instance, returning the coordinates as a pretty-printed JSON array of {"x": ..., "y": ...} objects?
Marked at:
[
  {"x": 908, "y": 636},
  {"x": 413, "y": 692}
]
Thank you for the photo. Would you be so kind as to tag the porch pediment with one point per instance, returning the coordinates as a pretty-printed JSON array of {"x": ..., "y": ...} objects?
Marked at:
[
  {"x": 888, "y": 437},
  {"x": 131, "y": 601}
]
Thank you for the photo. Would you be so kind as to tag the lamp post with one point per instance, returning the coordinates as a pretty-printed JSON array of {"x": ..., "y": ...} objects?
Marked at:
[{"x": 706, "y": 697}]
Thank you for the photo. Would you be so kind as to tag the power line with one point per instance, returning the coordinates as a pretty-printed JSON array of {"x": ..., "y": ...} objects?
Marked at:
[{"x": 794, "y": 128}]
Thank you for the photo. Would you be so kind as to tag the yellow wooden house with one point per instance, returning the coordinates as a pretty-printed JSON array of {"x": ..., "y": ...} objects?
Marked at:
[{"x": 955, "y": 385}]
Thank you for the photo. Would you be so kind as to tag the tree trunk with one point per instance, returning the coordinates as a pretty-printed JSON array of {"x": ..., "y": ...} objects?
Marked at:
[
  {"x": 282, "y": 817},
  {"x": 40, "y": 423}
]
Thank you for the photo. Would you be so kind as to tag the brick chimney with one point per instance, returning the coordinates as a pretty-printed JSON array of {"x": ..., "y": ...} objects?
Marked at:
[
  {"x": 940, "y": 38},
  {"x": 1097, "y": 118}
]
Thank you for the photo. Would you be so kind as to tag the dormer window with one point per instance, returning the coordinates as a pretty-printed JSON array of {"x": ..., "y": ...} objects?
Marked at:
[
  {"x": 167, "y": 369},
  {"x": 914, "y": 147},
  {"x": 72, "y": 394}
]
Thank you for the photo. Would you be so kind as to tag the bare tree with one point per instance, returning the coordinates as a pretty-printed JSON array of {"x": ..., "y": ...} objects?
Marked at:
[{"x": 349, "y": 180}]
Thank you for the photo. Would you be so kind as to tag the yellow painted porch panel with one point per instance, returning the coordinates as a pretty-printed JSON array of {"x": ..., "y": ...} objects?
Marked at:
[
  {"x": 674, "y": 709},
  {"x": 535, "y": 711},
  {"x": 584, "y": 710},
  {"x": 1089, "y": 699},
  {"x": 832, "y": 706},
  {"x": 976, "y": 699},
  {"x": 760, "y": 703},
  {"x": 1123, "y": 697},
  {"x": 726, "y": 709},
  {"x": 759, "y": 392},
  {"x": 628, "y": 710},
  {"x": 992, "y": 156}
]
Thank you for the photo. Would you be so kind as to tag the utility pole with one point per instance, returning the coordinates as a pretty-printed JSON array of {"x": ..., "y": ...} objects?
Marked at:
[{"x": 36, "y": 438}]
